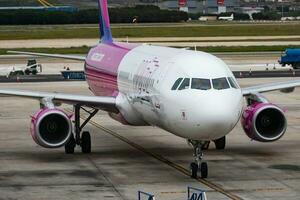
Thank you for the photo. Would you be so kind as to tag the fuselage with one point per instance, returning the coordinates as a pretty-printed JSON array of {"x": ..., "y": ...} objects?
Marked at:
[{"x": 188, "y": 93}]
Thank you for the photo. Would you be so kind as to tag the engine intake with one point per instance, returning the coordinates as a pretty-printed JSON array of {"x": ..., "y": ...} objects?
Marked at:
[
  {"x": 51, "y": 128},
  {"x": 264, "y": 122}
]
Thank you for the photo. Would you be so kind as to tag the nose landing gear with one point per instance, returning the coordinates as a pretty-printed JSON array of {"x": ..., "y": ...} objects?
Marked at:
[{"x": 198, "y": 165}]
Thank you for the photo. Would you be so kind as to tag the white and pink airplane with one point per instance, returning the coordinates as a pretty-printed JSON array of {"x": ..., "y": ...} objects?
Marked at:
[{"x": 190, "y": 94}]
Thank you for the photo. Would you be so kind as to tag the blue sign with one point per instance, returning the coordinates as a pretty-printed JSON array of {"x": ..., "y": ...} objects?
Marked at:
[
  {"x": 196, "y": 194},
  {"x": 147, "y": 195}
]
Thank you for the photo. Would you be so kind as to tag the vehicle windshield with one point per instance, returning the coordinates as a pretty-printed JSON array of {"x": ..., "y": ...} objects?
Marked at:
[
  {"x": 220, "y": 83},
  {"x": 185, "y": 84},
  {"x": 31, "y": 62},
  {"x": 284, "y": 53},
  {"x": 201, "y": 84}
]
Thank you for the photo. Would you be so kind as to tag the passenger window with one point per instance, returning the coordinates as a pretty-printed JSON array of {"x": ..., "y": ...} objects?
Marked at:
[
  {"x": 201, "y": 84},
  {"x": 233, "y": 83},
  {"x": 220, "y": 83},
  {"x": 176, "y": 84},
  {"x": 185, "y": 84}
]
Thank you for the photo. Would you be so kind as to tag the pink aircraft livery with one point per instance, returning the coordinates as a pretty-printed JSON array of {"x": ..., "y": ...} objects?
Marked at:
[{"x": 190, "y": 94}]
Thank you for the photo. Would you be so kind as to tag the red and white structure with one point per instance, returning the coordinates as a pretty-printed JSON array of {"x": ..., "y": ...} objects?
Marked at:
[
  {"x": 221, "y": 6},
  {"x": 183, "y": 5}
]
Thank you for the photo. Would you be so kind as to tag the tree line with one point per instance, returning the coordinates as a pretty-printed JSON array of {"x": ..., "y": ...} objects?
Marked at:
[{"x": 117, "y": 15}]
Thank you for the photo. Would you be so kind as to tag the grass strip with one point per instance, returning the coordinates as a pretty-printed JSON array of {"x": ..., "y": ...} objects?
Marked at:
[{"x": 59, "y": 32}]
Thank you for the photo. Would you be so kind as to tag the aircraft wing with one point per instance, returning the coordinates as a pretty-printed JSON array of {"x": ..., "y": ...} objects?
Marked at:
[
  {"x": 80, "y": 58},
  {"x": 99, "y": 102},
  {"x": 271, "y": 87}
]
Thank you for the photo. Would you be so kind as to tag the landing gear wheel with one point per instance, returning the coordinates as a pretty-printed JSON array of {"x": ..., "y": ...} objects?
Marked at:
[
  {"x": 86, "y": 142},
  {"x": 220, "y": 143},
  {"x": 70, "y": 145},
  {"x": 27, "y": 72},
  {"x": 204, "y": 170},
  {"x": 194, "y": 170}
]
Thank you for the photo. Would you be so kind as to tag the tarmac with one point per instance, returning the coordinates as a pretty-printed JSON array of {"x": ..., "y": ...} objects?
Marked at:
[
  {"x": 127, "y": 159},
  {"x": 79, "y": 76},
  {"x": 172, "y": 41},
  {"x": 236, "y": 61}
]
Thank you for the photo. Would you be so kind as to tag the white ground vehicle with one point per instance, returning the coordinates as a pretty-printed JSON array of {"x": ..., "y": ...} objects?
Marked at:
[{"x": 32, "y": 67}]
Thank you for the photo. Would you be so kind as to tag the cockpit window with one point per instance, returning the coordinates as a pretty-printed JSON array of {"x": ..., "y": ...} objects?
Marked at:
[
  {"x": 220, "y": 83},
  {"x": 201, "y": 84},
  {"x": 233, "y": 83},
  {"x": 176, "y": 84},
  {"x": 185, "y": 84}
]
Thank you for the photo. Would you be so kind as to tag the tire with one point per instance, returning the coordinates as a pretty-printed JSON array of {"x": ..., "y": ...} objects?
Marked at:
[
  {"x": 220, "y": 143},
  {"x": 204, "y": 170},
  {"x": 27, "y": 72},
  {"x": 20, "y": 73},
  {"x": 70, "y": 146},
  {"x": 34, "y": 72},
  {"x": 194, "y": 170},
  {"x": 86, "y": 142},
  {"x": 297, "y": 65}
]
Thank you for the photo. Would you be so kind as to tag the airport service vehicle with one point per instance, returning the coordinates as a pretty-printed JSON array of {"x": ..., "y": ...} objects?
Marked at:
[
  {"x": 32, "y": 67},
  {"x": 291, "y": 57},
  {"x": 229, "y": 18},
  {"x": 191, "y": 94}
]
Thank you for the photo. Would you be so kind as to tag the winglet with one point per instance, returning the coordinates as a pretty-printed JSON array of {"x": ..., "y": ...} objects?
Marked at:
[{"x": 104, "y": 23}]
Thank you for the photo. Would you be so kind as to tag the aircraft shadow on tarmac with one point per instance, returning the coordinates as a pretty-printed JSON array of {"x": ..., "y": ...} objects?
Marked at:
[{"x": 127, "y": 153}]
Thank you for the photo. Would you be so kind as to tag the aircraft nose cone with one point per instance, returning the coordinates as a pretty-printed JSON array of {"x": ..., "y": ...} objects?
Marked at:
[
  {"x": 208, "y": 117},
  {"x": 221, "y": 114}
]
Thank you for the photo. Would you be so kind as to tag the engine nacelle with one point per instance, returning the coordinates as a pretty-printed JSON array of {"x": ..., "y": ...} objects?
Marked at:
[
  {"x": 51, "y": 128},
  {"x": 264, "y": 122}
]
